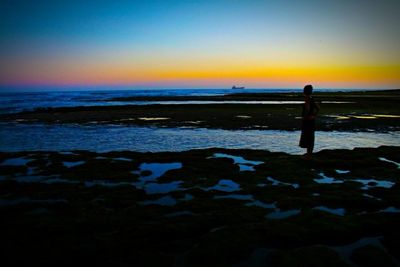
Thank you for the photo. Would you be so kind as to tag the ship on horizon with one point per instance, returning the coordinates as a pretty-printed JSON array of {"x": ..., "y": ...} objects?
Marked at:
[{"x": 235, "y": 87}]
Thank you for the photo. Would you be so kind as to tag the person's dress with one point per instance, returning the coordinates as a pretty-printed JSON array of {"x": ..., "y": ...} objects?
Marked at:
[{"x": 308, "y": 126}]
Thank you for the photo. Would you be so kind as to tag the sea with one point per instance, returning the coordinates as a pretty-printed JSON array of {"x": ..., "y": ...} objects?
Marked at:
[
  {"x": 25, "y": 100},
  {"x": 17, "y": 136}
]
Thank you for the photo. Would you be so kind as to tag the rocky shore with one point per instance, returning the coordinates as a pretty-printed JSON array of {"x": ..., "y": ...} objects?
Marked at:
[
  {"x": 212, "y": 207},
  {"x": 351, "y": 111}
]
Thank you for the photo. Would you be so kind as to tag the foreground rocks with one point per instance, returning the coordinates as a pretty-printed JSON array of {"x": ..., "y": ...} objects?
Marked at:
[{"x": 213, "y": 207}]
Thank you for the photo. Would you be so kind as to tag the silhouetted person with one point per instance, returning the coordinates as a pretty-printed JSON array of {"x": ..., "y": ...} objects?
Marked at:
[{"x": 310, "y": 110}]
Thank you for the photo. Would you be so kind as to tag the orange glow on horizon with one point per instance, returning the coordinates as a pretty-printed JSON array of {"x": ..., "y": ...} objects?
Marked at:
[{"x": 213, "y": 75}]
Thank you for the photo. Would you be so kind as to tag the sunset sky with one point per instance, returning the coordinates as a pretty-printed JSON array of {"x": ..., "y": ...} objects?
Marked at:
[{"x": 200, "y": 44}]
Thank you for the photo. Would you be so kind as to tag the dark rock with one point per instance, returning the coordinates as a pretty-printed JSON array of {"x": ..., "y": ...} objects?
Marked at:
[{"x": 371, "y": 256}]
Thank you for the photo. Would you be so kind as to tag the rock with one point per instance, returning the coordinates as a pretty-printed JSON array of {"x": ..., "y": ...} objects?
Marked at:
[
  {"x": 314, "y": 256},
  {"x": 372, "y": 256}
]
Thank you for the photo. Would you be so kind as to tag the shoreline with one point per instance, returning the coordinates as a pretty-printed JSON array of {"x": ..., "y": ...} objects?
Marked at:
[
  {"x": 12, "y": 89},
  {"x": 376, "y": 111},
  {"x": 265, "y": 96}
]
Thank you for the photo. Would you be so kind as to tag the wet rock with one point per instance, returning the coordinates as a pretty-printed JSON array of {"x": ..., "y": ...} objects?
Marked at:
[
  {"x": 315, "y": 256},
  {"x": 371, "y": 256},
  {"x": 216, "y": 227},
  {"x": 145, "y": 173}
]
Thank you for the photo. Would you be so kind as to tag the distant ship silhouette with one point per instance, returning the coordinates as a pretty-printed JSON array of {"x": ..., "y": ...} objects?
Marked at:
[{"x": 234, "y": 87}]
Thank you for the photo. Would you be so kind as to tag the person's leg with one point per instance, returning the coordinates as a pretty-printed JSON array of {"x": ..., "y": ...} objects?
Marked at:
[{"x": 310, "y": 148}]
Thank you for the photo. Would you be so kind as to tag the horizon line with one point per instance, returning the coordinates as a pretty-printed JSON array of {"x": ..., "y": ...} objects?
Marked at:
[{"x": 63, "y": 88}]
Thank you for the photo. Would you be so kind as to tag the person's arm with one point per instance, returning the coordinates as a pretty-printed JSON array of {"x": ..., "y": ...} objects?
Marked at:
[
  {"x": 315, "y": 110},
  {"x": 306, "y": 108}
]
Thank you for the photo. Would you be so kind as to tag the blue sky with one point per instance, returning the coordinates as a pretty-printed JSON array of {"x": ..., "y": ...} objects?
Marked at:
[{"x": 204, "y": 43}]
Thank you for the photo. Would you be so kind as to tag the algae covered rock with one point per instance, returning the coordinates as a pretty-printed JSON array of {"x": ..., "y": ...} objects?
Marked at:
[
  {"x": 371, "y": 256},
  {"x": 314, "y": 256}
]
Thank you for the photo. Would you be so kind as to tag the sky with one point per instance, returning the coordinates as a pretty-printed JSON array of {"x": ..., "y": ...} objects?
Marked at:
[{"x": 200, "y": 44}]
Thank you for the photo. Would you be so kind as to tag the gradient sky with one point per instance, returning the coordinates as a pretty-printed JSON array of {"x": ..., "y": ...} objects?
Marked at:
[{"x": 201, "y": 44}]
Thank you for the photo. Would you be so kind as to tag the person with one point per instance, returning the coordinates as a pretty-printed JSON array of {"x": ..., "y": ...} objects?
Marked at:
[{"x": 309, "y": 114}]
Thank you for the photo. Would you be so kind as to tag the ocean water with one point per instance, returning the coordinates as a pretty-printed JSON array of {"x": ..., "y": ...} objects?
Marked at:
[
  {"x": 101, "y": 138},
  {"x": 22, "y": 101},
  {"x": 104, "y": 138}
]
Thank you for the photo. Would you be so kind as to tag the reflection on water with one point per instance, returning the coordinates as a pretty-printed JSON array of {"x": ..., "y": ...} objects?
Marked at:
[
  {"x": 103, "y": 138},
  {"x": 166, "y": 200},
  {"x": 213, "y": 102},
  {"x": 120, "y": 159},
  {"x": 153, "y": 119},
  {"x": 16, "y": 161},
  {"x": 371, "y": 183},
  {"x": 338, "y": 211},
  {"x": 278, "y": 183},
  {"x": 372, "y": 197},
  {"x": 70, "y": 164},
  {"x": 155, "y": 170},
  {"x": 391, "y": 210},
  {"x": 327, "y": 180},
  {"x": 225, "y": 186},
  {"x": 278, "y": 214},
  {"x": 15, "y": 99},
  {"x": 342, "y": 171},
  {"x": 244, "y": 164},
  {"x": 235, "y": 196},
  {"x": 104, "y": 183},
  {"x": 237, "y": 159},
  {"x": 390, "y": 161},
  {"x": 261, "y": 204}
]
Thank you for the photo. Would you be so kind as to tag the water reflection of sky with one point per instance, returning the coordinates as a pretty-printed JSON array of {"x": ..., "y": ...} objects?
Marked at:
[
  {"x": 15, "y": 102},
  {"x": 156, "y": 170},
  {"x": 19, "y": 101},
  {"x": 244, "y": 165},
  {"x": 102, "y": 138}
]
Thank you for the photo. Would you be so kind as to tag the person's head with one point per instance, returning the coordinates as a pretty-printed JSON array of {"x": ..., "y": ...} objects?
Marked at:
[{"x": 308, "y": 89}]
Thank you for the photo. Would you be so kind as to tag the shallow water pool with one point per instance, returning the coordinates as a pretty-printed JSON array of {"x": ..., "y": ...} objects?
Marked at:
[{"x": 104, "y": 138}]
